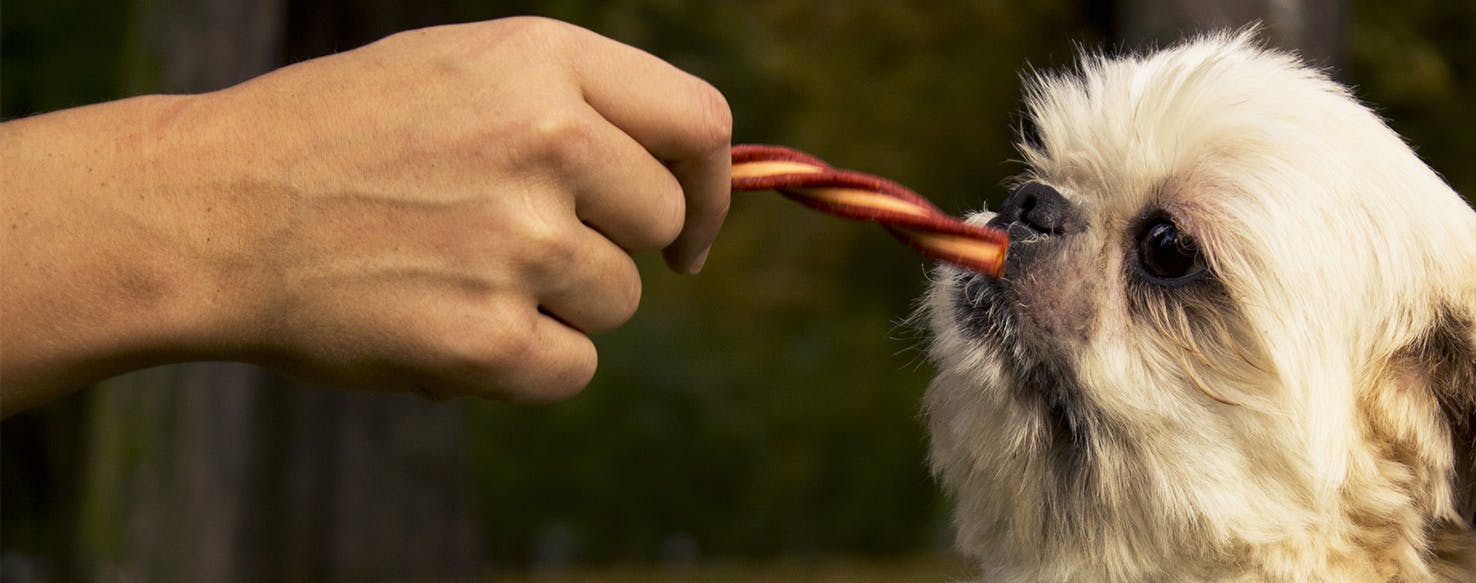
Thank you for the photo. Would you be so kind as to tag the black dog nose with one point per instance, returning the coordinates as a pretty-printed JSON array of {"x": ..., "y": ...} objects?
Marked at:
[{"x": 1039, "y": 209}]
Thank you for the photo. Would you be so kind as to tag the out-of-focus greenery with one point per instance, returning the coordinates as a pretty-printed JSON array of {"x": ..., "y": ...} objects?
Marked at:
[
  {"x": 1415, "y": 63},
  {"x": 768, "y": 406}
]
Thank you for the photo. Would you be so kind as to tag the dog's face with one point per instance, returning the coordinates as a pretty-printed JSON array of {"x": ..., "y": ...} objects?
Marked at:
[{"x": 1234, "y": 334}]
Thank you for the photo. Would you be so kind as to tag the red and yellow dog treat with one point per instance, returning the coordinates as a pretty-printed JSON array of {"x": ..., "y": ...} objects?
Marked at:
[{"x": 854, "y": 195}]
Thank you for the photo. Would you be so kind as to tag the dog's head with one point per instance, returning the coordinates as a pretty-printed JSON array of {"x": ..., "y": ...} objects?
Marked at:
[{"x": 1237, "y": 326}]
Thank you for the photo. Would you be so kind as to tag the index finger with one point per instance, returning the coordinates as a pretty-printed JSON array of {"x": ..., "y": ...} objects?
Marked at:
[{"x": 680, "y": 119}]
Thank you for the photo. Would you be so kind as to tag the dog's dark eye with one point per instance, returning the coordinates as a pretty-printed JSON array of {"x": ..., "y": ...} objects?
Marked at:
[{"x": 1167, "y": 254}]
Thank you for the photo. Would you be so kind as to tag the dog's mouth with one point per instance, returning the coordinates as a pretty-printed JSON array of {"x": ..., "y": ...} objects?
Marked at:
[
  {"x": 1040, "y": 371},
  {"x": 984, "y": 308}
]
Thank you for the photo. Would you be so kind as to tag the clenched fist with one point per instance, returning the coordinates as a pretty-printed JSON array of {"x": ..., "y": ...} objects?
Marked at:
[{"x": 448, "y": 211}]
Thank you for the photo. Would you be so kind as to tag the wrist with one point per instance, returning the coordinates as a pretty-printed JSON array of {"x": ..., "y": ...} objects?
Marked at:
[
  {"x": 96, "y": 283},
  {"x": 170, "y": 293},
  {"x": 216, "y": 202}
]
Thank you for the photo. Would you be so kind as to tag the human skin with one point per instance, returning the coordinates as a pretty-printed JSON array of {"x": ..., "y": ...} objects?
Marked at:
[{"x": 448, "y": 211}]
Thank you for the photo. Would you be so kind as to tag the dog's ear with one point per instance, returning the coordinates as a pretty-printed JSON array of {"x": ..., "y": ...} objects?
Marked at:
[{"x": 1448, "y": 356}]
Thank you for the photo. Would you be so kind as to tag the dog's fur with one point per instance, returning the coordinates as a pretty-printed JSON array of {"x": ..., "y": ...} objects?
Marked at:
[{"x": 1304, "y": 411}]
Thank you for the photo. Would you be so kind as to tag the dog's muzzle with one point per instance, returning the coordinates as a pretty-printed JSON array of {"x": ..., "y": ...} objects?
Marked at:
[
  {"x": 1040, "y": 223},
  {"x": 1037, "y": 219}
]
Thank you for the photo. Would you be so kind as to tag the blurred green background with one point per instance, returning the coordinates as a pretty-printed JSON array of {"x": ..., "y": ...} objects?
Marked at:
[{"x": 757, "y": 422}]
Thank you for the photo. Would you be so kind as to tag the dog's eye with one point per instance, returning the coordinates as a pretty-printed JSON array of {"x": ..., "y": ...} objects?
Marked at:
[{"x": 1167, "y": 254}]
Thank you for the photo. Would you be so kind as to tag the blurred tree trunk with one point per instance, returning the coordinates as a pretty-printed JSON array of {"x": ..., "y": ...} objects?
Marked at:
[
  {"x": 1313, "y": 28},
  {"x": 224, "y": 472}
]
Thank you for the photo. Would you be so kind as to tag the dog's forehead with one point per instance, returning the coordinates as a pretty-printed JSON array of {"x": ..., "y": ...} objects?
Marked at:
[{"x": 1121, "y": 134}]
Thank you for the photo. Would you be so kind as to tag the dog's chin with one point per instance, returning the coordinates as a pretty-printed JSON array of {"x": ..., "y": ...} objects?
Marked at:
[{"x": 1038, "y": 371}]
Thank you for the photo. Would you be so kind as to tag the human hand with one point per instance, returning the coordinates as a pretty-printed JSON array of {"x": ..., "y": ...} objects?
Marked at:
[{"x": 448, "y": 210}]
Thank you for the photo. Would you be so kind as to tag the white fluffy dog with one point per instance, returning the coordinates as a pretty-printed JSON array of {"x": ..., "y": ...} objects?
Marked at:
[{"x": 1235, "y": 338}]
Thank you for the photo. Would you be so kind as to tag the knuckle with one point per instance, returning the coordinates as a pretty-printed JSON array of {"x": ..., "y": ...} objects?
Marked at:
[
  {"x": 669, "y": 228},
  {"x": 717, "y": 117},
  {"x": 650, "y": 222},
  {"x": 511, "y": 350},
  {"x": 581, "y": 373},
  {"x": 559, "y": 138},
  {"x": 571, "y": 379},
  {"x": 549, "y": 383},
  {"x": 624, "y": 296},
  {"x": 538, "y": 27},
  {"x": 495, "y": 348},
  {"x": 536, "y": 38},
  {"x": 505, "y": 358},
  {"x": 666, "y": 220},
  {"x": 631, "y": 299},
  {"x": 545, "y": 246},
  {"x": 414, "y": 35}
]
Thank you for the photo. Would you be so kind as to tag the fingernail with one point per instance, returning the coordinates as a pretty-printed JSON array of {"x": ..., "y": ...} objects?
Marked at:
[{"x": 696, "y": 265}]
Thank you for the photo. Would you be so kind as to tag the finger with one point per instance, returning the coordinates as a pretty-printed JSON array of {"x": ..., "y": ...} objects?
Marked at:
[
  {"x": 501, "y": 348},
  {"x": 597, "y": 290},
  {"x": 706, "y": 186},
  {"x": 560, "y": 362},
  {"x": 680, "y": 119},
  {"x": 510, "y": 350},
  {"x": 673, "y": 114},
  {"x": 624, "y": 192}
]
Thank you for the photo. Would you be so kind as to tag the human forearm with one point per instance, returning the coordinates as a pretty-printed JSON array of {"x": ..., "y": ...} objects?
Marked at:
[{"x": 99, "y": 273}]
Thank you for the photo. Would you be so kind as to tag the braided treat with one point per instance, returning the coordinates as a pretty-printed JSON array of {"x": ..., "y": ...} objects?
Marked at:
[{"x": 853, "y": 195}]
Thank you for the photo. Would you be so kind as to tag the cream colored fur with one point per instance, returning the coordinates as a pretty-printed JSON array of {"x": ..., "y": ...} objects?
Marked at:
[{"x": 1305, "y": 416}]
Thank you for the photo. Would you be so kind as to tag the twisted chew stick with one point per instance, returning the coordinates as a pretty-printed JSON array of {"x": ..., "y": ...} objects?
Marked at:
[{"x": 853, "y": 195}]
